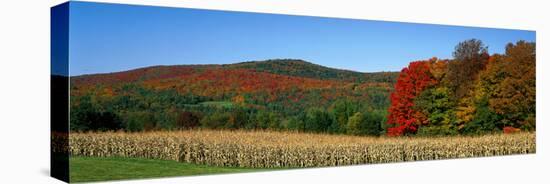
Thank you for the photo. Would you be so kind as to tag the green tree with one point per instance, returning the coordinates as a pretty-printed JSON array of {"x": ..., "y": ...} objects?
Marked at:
[
  {"x": 367, "y": 123},
  {"x": 438, "y": 107},
  {"x": 139, "y": 121},
  {"x": 295, "y": 123},
  {"x": 82, "y": 113},
  {"x": 373, "y": 122},
  {"x": 237, "y": 119},
  {"x": 485, "y": 120},
  {"x": 318, "y": 120},
  {"x": 215, "y": 120},
  {"x": 267, "y": 119},
  {"x": 354, "y": 124},
  {"x": 342, "y": 110},
  {"x": 85, "y": 115}
]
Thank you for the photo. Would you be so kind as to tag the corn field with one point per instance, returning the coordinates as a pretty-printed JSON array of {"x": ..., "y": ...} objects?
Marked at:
[{"x": 269, "y": 149}]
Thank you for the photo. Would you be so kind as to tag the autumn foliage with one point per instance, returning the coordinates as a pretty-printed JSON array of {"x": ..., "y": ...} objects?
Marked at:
[
  {"x": 473, "y": 94},
  {"x": 510, "y": 130},
  {"x": 411, "y": 82},
  {"x": 273, "y": 94}
]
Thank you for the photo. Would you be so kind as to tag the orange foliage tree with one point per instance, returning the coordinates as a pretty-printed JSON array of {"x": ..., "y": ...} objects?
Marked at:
[{"x": 509, "y": 84}]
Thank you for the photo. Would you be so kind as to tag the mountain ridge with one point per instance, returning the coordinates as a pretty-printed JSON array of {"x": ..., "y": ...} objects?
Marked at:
[{"x": 288, "y": 67}]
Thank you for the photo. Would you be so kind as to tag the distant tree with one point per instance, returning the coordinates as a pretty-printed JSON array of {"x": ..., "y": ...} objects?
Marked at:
[
  {"x": 187, "y": 119},
  {"x": 342, "y": 110},
  {"x": 354, "y": 124},
  {"x": 379, "y": 99},
  {"x": 251, "y": 124},
  {"x": 295, "y": 123},
  {"x": 372, "y": 123},
  {"x": 237, "y": 119},
  {"x": 239, "y": 99},
  {"x": 318, "y": 120},
  {"x": 86, "y": 116},
  {"x": 366, "y": 123},
  {"x": 267, "y": 120},
  {"x": 139, "y": 121},
  {"x": 107, "y": 120},
  {"x": 166, "y": 120},
  {"x": 215, "y": 120},
  {"x": 82, "y": 113}
]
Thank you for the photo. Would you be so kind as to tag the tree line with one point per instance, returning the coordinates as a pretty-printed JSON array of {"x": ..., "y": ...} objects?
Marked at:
[
  {"x": 139, "y": 108},
  {"x": 474, "y": 93}
]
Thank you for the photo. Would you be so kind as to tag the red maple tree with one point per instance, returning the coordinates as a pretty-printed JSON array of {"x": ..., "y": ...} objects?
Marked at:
[{"x": 412, "y": 80}]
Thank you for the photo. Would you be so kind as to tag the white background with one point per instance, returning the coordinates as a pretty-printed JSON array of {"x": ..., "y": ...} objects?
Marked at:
[{"x": 24, "y": 91}]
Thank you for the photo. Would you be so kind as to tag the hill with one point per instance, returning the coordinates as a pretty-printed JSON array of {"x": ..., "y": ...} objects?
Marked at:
[
  {"x": 301, "y": 68},
  {"x": 287, "y": 67},
  {"x": 260, "y": 94}
]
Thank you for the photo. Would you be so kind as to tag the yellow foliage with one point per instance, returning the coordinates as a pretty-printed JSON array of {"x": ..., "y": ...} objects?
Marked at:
[{"x": 239, "y": 99}]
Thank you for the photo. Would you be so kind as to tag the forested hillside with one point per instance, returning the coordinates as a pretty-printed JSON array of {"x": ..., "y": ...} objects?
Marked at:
[
  {"x": 272, "y": 94},
  {"x": 301, "y": 68}
]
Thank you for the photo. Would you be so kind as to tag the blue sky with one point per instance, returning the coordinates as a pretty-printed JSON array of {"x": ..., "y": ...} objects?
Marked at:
[{"x": 112, "y": 37}]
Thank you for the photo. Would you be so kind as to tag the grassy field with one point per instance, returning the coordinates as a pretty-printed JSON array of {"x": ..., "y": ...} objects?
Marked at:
[
  {"x": 86, "y": 169},
  {"x": 271, "y": 149}
]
